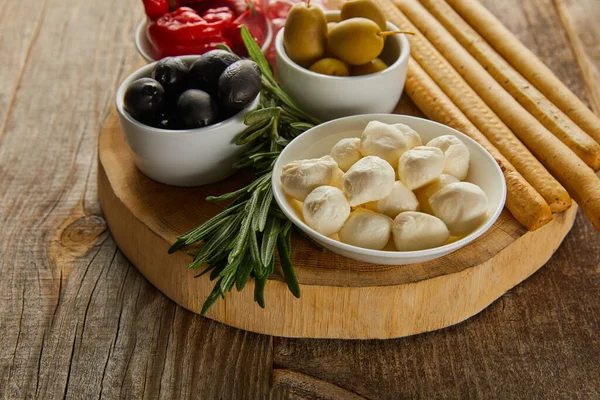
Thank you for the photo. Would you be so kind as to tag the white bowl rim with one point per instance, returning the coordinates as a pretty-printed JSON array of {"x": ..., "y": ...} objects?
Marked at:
[
  {"x": 400, "y": 61},
  {"x": 445, "y": 249},
  {"x": 145, "y": 71},
  {"x": 140, "y": 31}
]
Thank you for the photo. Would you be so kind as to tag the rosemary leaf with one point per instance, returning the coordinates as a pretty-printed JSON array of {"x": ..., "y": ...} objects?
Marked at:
[
  {"x": 223, "y": 46},
  {"x": 226, "y": 283},
  {"x": 214, "y": 245},
  {"x": 204, "y": 271},
  {"x": 250, "y": 130},
  {"x": 242, "y": 140},
  {"x": 269, "y": 240},
  {"x": 215, "y": 273},
  {"x": 248, "y": 188},
  {"x": 209, "y": 230},
  {"x": 260, "y": 217},
  {"x": 257, "y": 55},
  {"x": 200, "y": 230},
  {"x": 212, "y": 298},
  {"x": 302, "y": 126},
  {"x": 285, "y": 258},
  {"x": 244, "y": 270},
  {"x": 259, "y": 290},
  {"x": 240, "y": 241},
  {"x": 261, "y": 115}
]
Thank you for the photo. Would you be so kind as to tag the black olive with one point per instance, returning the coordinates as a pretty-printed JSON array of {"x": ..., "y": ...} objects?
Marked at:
[
  {"x": 238, "y": 85},
  {"x": 195, "y": 109},
  {"x": 167, "y": 119},
  {"x": 205, "y": 71},
  {"x": 171, "y": 72},
  {"x": 144, "y": 99}
]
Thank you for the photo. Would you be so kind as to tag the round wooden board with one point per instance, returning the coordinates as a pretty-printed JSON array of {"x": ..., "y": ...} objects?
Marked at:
[{"x": 340, "y": 298}]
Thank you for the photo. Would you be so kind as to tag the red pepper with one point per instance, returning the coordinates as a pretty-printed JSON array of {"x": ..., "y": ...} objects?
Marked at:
[
  {"x": 220, "y": 15},
  {"x": 201, "y": 6},
  {"x": 183, "y": 31},
  {"x": 156, "y": 8},
  {"x": 256, "y": 23}
]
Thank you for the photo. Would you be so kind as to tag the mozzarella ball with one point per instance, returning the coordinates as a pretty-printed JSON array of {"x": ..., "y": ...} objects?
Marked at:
[
  {"x": 411, "y": 135},
  {"x": 414, "y": 230},
  {"x": 456, "y": 154},
  {"x": 346, "y": 152},
  {"x": 385, "y": 141},
  {"x": 366, "y": 229},
  {"x": 337, "y": 179},
  {"x": 299, "y": 178},
  {"x": 399, "y": 200},
  {"x": 370, "y": 179},
  {"x": 424, "y": 194},
  {"x": 325, "y": 210},
  {"x": 461, "y": 205},
  {"x": 420, "y": 166}
]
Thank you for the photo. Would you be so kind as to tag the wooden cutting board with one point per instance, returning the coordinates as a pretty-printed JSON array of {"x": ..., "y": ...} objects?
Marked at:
[{"x": 340, "y": 298}]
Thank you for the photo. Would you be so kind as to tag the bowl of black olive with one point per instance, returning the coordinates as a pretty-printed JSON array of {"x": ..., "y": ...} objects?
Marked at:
[{"x": 181, "y": 114}]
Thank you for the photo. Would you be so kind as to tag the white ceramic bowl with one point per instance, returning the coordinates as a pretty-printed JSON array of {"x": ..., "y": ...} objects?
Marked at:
[
  {"x": 145, "y": 48},
  {"x": 318, "y": 141},
  {"x": 190, "y": 157},
  {"x": 329, "y": 97}
]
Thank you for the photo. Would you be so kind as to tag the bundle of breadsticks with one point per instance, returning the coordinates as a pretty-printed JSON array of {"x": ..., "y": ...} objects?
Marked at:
[{"x": 470, "y": 72}]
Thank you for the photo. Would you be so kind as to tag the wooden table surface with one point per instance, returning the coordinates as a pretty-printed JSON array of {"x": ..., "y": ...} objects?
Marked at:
[{"x": 78, "y": 321}]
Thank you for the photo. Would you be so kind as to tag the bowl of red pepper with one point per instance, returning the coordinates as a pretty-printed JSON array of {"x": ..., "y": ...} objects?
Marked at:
[{"x": 194, "y": 27}]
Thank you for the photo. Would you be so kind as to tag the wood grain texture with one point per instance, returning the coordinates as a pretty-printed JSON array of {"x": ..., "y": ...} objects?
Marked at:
[
  {"x": 301, "y": 386},
  {"x": 76, "y": 319},
  {"x": 539, "y": 341},
  {"x": 19, "y": 29},
  {"x": 584, "y": 35}
]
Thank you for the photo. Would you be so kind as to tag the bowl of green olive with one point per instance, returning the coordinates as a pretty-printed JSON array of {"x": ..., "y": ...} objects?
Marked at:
[{"x": 340, "y": 63}]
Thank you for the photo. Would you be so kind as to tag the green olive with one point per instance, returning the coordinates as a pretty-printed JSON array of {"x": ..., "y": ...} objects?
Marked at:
[
  {"x": 371, "y": 67},
  {"x": 330, "y": 66},
  {"x": 355, "y": 41},
  {"x": 365, "y": 9},
  {"x": 305, "y": 34}
]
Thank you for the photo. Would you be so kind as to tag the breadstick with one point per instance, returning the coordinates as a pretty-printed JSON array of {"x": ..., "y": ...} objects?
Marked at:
[
  {"x": 479, "y": 113},
  {"x": 580, "y": 180},
  {"x": 526, "y": 94},
  {"x": 524, "y": 61},
  {"x": 525, "y": 204}
]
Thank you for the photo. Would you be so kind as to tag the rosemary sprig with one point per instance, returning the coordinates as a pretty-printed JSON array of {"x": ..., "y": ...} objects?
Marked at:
[{"x": 239, "y": 243}]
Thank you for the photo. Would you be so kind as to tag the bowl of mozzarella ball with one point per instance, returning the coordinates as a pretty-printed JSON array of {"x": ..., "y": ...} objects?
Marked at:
[{"x": 388, "y": 189}]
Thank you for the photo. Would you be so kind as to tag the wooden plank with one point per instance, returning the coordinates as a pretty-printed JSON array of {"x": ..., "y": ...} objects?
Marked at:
[
  {"x": 301, "y": 386},
  {"x": 77, "y": 320},
  {"x": 584, "y": 33},
  {"x": 20, "y": 23}
]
